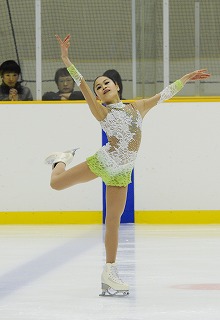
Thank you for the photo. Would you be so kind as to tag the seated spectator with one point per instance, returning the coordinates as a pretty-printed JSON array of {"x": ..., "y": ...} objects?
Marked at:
[
  {"x": 11, "y": 89},
  {"x": 65, "y": 85},
  {"x": 114, "y": 75}
]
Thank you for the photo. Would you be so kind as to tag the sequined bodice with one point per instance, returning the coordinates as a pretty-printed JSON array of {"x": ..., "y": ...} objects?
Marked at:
[{"x": 122, "y": 126}]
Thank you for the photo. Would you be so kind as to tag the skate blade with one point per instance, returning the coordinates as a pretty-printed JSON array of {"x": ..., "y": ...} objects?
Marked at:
[
  {"x": 50, "y": 159},
  {"x": 107, "y": 291},
  {"x": 73, "y": 151}
]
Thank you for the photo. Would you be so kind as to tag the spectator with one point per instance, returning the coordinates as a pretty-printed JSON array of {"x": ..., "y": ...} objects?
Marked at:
[
  {"x": 11, "y": 89},
  {"x": 114, "y": 75},
  {"x": 65, "y": 85}
]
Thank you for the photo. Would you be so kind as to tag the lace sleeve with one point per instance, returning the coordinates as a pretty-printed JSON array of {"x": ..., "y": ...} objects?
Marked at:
[{"x": 170, "y": 90}]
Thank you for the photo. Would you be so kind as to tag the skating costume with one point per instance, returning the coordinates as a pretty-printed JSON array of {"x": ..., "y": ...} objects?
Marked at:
[{"x": 114, "y": 162}]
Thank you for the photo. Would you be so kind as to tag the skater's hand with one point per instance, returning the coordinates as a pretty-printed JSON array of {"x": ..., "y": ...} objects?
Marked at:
[
  {"x": 195, "y": 75},
  {"x": 64, "y": 45}
]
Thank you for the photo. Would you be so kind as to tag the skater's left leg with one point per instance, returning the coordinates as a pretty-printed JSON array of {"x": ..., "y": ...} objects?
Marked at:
[{"x": 62, "y": 178}]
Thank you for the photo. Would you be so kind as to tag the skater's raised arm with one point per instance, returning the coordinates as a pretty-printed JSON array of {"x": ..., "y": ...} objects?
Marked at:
[
  {"x": 97, "y": 109},
  {"x": 144, "y": 105}
]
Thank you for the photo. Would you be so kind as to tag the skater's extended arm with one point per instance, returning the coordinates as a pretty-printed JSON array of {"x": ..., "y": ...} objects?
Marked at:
[
  {"x": 96, "y": 108},
  {"x": 144, "y": 105}
]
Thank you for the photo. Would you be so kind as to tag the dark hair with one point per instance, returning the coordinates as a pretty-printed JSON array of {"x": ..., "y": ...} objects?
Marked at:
[
  {"x": 62, "y": 72},
  {"x": 115, "y": 76},
  {"x": 9, "y": 66}
]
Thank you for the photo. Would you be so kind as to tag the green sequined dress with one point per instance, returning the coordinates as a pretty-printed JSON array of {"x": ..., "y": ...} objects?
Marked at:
[{"x": 114, "y": 162}]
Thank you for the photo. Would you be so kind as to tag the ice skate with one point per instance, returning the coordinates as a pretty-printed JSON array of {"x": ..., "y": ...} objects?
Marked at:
[
  {"x": 112, "y": 285},
  {"x": 65, "y": 157}
]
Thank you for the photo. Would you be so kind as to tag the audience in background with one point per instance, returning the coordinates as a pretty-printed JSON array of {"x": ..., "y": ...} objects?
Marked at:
[
  {"x": 114, "y": 75},
  {"x": 10, "y": 88},
  {"x": 65, "y": 85}
]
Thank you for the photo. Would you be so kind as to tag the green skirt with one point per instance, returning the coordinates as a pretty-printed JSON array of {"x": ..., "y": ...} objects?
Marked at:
[{"x": 102, "y": 165}]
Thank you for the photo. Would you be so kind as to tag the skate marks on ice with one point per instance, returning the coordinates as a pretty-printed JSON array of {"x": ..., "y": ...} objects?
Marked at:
[{"x": 30, "y": 271}]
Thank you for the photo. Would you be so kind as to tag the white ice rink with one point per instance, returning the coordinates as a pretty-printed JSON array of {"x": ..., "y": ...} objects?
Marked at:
[{"x": 53, "y": 273}]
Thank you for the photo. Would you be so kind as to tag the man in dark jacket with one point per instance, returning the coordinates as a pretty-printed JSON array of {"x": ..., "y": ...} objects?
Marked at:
[{"x": 65, "y": 85}]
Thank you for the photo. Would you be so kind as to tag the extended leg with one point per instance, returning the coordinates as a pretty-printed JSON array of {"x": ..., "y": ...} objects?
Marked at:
[{"x": 62, "y": 178}]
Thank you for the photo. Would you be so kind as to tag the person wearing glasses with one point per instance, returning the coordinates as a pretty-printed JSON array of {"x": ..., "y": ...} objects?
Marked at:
[{"x": 65, "y": 85}]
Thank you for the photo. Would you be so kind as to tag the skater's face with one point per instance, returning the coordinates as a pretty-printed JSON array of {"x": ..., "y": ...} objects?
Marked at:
[{"x": 106, "y": 90}]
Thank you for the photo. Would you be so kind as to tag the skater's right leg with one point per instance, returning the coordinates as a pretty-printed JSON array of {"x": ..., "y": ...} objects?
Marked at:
[{"x": 62, "y": 178}]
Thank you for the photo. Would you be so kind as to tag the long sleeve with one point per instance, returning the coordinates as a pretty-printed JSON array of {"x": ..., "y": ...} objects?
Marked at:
[{"x": 26, "y": 94}]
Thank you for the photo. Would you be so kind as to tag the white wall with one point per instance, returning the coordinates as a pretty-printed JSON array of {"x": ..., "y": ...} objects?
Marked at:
[
  {"x": 28, "y": 133},
  {"x": 177, "y": 167}
]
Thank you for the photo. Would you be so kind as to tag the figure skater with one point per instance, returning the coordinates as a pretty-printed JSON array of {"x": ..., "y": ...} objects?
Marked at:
[{"x": 114, "y": 161}]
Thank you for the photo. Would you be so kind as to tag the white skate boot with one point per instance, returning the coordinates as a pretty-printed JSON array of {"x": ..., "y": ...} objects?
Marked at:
[
  {"x": 65, "y": 157},
  {"x": 111, "y": 283}
]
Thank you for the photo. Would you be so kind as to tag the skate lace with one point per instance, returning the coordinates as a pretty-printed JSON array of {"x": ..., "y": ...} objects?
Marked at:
[{"x": 114, "y": 275}]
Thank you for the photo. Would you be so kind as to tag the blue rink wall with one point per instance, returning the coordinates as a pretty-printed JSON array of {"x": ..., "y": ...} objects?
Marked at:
[{"x": 176, "y": 177}]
